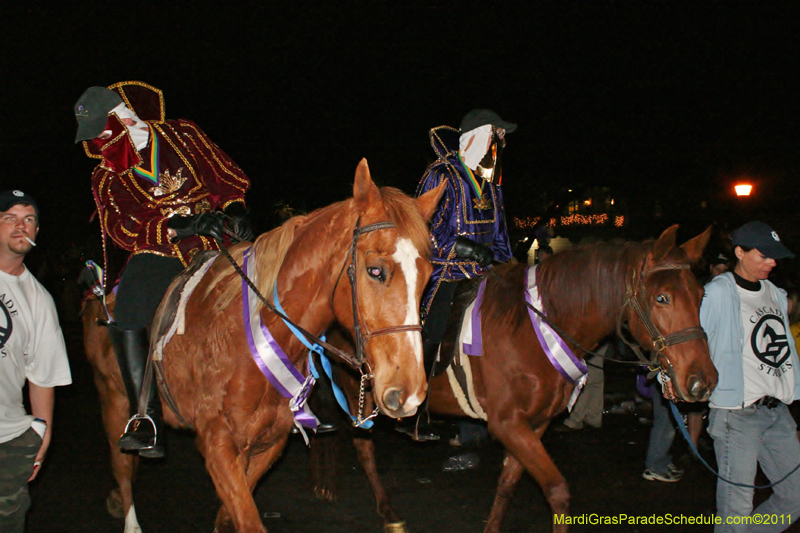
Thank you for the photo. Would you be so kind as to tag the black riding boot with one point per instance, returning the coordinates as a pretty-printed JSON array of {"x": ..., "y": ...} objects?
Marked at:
[{"x": 143, "y": 433}]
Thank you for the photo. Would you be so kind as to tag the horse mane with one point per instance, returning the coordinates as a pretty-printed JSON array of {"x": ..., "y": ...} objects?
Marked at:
[
  {"x": 270, "y": 248},
  {"x": 582, "y": 281}
]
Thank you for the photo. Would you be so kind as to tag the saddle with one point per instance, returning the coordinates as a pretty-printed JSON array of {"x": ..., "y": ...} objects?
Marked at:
[{"x": 167, "y": 311}]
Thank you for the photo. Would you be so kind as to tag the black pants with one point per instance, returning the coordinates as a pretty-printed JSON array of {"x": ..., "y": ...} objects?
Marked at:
[
  {"x": 439, "y": 313},
  {"x": 143, "y": 284}
]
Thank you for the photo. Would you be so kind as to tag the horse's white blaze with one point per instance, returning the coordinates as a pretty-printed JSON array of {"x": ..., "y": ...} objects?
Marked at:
[
  {"x": 131, "y": 524},
  {"x": 406, "y": 256}
]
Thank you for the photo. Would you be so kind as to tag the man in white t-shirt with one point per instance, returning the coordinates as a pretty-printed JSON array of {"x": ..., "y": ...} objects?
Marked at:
[
  {"x": 31, "y": 350},
  {"x": 746, "y": 319}
]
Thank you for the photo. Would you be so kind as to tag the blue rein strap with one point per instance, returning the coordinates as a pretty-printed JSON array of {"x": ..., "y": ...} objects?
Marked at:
[
  {"x": 341, "y": 399},
  {"x": 685, "y": 433},
  {"x": 312, "y": 347}
]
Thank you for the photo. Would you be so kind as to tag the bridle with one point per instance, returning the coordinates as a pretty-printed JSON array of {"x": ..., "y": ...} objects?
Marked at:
[
  {"x": 659, "y": 341},
  {"x": 361, "y": 337}
]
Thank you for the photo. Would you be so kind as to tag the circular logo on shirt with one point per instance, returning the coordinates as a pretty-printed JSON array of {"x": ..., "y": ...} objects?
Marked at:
[
  {"x": 6, "y": 325},
  {"x": 769, "y": 341}
]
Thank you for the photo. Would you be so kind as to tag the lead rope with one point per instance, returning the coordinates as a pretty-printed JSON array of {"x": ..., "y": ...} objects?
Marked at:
[{"x": 679, "y": 420}]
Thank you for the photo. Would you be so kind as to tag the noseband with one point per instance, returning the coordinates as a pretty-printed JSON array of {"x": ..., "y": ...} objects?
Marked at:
[
  {"x": 361, "y": 337},
  {"x": 660, "y": 342}
]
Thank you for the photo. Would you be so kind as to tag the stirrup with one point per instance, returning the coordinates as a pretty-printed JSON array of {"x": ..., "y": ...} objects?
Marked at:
[{"x": 132, "y": 443}]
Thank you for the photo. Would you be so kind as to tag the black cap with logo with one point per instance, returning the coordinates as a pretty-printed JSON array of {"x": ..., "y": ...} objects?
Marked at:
[
  {"x": 11, "y": 197},
  {"x": 758, "y": 235},
  {"x": 91, "y": 111}
]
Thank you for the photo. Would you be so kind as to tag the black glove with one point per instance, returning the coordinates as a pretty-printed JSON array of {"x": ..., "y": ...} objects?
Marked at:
[
  {"x": 207, "y": 224},
  {"x": 240, "y": 224},
  {"x": 480, "y": 253}
]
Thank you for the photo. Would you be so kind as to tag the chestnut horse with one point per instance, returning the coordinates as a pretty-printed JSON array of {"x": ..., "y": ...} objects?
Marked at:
[
  {"x": 241, "y": 420},
  {"x": 587, "y": 292}
]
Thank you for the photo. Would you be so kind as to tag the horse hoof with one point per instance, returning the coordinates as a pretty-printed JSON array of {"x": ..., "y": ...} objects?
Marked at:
[
  {"x": 326, "y": 495},
  {"x": 396, "y": 527},
  {"x": 114, "y": 504}
]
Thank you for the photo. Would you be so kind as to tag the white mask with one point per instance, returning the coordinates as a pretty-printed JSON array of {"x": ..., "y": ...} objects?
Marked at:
[
  {"x": 139, "y": 131},
  {"x": 474, "y": 144}
]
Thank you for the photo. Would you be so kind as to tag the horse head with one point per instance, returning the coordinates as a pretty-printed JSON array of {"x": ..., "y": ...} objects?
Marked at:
[
  {"x": 388, "y": 269},
  {"x": 664, "y": 314}
]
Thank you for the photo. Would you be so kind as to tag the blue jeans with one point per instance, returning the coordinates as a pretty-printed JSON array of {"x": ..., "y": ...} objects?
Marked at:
[
  {"x": 661, "y": 435},
  {"x": 744, "y": 439}
]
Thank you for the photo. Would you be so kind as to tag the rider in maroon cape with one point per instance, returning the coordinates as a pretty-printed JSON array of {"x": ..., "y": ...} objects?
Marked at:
[{"x": 158, "y": 189}]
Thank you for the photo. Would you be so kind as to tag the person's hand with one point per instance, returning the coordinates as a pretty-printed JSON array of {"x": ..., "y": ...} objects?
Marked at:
[
  {"x": 239, "y": 223},
  {"x": 482, "y": 255},
  {"x": 207, "y": 224},
  {"x": 468, "y": 249},
  {"x": 37, "y": 464}
]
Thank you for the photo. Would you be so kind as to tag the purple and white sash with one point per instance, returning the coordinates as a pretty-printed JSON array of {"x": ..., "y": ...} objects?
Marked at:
[
  {"x": 561, "y": 357},
  {"x": 272, "y": 360}
]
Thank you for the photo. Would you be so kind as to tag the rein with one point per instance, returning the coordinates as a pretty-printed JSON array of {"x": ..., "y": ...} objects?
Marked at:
[
  {"x": 309, "y": 336},
  {"x": 660, "y": 342},
  {"x": 359, "y": 360}
]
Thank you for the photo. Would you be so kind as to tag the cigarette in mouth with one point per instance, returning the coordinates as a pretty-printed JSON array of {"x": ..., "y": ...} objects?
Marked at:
[{"x": 30, "y": 241}]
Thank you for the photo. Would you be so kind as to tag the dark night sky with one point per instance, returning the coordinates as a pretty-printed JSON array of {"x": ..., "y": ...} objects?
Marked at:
[{"x": 668, "y": 100}]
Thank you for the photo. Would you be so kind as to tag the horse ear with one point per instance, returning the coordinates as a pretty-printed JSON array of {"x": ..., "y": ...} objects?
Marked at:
[
  {"x": 365, "y": 191},
  {"x": 694, "y": 247},
  {"x": 428, "y": 202},
  {"x": 665, "y": 243}
]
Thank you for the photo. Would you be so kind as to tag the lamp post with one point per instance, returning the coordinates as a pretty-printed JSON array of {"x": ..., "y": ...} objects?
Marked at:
[{"x": 743, "y": 189}]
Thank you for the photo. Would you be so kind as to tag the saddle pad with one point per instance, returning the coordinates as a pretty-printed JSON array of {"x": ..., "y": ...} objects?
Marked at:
[
  {"x": 186, "y": 286},
  {"x": 561, "y": 357},
  {"x": 459, "y": 375}
]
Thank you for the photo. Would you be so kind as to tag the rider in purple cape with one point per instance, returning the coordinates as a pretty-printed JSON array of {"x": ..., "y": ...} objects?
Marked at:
[{"x": 468, "y": 231}]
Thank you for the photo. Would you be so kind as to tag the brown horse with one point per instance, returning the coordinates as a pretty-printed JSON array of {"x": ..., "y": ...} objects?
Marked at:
[
  {"x": 218, "y": 390},
  {"x": 587, "y": 292}
]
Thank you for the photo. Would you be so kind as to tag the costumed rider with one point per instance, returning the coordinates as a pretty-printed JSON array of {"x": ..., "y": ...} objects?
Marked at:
[
  {"x": 158, "y": 189},
  {"x": 468, "y": 231}
]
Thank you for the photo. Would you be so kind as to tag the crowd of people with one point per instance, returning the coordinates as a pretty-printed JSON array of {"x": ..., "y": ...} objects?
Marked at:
[{"x": 165, "y": 191}]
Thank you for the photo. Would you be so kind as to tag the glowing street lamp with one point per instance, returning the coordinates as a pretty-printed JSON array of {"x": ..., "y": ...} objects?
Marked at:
[{"x": 743, "y": 189}]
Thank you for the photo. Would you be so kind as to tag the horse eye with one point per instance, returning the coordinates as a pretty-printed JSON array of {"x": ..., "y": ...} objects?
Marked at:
[
  {"x": 661, "y": 299},
  {"x": 376, "y": 273}
]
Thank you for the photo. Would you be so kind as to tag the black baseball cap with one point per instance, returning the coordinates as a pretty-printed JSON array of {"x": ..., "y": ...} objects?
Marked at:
[
  {"x": 758, "y": 235},
  {"x": 91, "y": 111},
  {"x": 12, "y": 197},
  {"x": 480, "y": 117}
]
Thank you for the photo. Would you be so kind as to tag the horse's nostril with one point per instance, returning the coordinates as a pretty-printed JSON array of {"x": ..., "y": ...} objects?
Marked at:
[
  {"x": 392, "y": 399},
  {"x": 697, "y": 388}
]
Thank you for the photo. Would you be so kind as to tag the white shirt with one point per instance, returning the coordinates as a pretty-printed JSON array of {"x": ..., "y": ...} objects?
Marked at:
[
  {"x": 31, "y": 348},
  {"x": 767, "y": 367}
]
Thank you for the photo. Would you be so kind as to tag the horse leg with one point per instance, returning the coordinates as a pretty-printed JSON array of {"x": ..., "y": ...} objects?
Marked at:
[
  {"x": 366, "y": 456},
  {"x": 114, "y": 402},
  {"x": 235, "y": 474},
  {"x": 506, "y": 486},
  {"x": 524, "y": 448},
  {"x": 323, "y": 455},
  {"x": 120, "y": 501}
]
